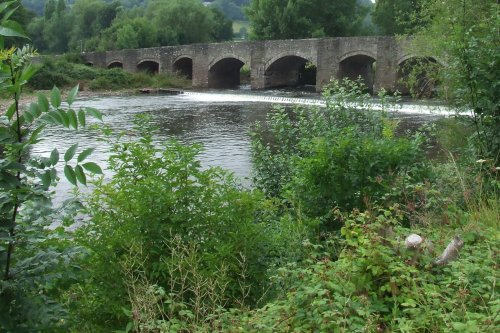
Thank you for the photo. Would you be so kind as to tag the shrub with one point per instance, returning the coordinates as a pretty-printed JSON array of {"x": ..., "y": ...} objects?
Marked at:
[
  {"x": 49, "y": 75},
  {"x": 111, "y": 79},
  {"x": 60, "y": 72},
  {"x": 345, "y": 155},
  {"x": 158, "y": 193}
]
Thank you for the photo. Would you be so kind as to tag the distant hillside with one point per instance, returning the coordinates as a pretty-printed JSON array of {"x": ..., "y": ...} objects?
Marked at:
[{"x": 231, "y": 8}]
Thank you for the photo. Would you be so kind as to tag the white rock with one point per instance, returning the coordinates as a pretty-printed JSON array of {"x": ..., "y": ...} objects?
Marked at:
[{"x": 413, "y": 241}]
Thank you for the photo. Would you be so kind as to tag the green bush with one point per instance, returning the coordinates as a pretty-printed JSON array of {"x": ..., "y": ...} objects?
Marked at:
[
  {"x": 350, "y": 171},
  {"x": 158, "y": 193},
  {"x": 111, "y": 79},
  {"x": 50, "y": 74},
  {"x": 345, "y": 155},
  {"x": 59, "y": 72}
]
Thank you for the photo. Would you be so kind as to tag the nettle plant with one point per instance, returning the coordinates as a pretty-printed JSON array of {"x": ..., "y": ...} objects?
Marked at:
[{"x": 29, "y": 254}]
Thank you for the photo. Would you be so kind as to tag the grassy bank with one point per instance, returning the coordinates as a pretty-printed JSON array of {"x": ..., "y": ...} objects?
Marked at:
[{"x": 69, "y": 70}]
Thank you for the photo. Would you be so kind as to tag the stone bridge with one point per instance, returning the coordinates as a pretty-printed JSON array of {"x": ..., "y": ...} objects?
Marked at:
[{"x": 378, "y": 60}]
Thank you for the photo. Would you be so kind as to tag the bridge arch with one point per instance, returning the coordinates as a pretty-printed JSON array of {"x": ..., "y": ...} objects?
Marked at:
[
  {"x": 183, "y": 66},
  {"x": 358, "y": 64},
  {"x": 89, "y": 64},
  {"x": 225, "y": 72},
  {"x": 415, "y": 75},
  {"x": 290, "y": 70},
  {"x": 115, "y": 64},
  {"x": 149, "y": 66}
]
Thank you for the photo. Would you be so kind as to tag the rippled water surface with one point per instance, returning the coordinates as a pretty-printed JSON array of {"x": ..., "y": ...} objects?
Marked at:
[{"x": 219, "y": 121}]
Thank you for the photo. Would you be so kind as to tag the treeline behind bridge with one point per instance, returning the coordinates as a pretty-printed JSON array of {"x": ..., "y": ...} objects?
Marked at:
[{"x": 59, "y": 26}]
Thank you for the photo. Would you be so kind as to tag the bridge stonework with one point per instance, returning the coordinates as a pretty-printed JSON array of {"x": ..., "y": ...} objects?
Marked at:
[{"x": 271, "y": 63}]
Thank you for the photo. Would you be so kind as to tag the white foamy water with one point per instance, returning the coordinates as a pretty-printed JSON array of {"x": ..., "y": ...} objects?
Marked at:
[{"x": 406, "y": 107}]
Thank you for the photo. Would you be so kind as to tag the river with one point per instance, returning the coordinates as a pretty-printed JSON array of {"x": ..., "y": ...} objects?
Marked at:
[{"x": 220, "y": 121}]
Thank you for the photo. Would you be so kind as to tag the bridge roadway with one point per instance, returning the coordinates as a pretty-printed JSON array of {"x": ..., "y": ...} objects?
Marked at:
[{"x": 274, "y": 63}]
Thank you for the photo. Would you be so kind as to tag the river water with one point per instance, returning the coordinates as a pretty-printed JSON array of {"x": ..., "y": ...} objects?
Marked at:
[{"x": 220, "y": 121}]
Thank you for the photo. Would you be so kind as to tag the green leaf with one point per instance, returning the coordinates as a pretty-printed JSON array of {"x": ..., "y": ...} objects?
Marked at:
[
  {"x": 70, "y": 174},
  {"x": 46, "y": 179},
  {"x": 64, "y": 118},
  {"x": 12, "y": 29},
  {"x": 92, "y": 167},
  {"x": 81, "y": 118},
  {"x": 28, "y": 117},
  {"x": 5, "y": 5},
  {"x": 9, "y": 13},
  {"x": 55, "y": 97},
  {"x": 84, "y": 154},
  {"x": 73, "y": 121},
  {"x": 14, "y": 166},
  {"x": 11, "y": 111},
  {"x": 54, "y": 157},
  {"x": 53, "y": 118},
  {"x": 35, "y": 110},
  {"x": 72, "y": 95},
  {"x": 80, "y": 175},
  {"x": 36, "y": 132},
  {"x": 28, "y": 73},
  {"x": 70, "y": 152},
  {"x": 43, "y": 103},
  {"x": 6, "y": 134},
  {"x": 94, "y": 113}
]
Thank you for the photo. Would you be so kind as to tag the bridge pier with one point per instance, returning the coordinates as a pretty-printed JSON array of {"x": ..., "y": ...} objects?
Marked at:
[
  {"x": 328, "y": 65},
  {"x": 386, "y": 66}
]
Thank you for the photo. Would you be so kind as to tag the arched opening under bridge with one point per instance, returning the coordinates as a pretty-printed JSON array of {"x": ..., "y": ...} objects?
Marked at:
[
  {"x": 290, "y": 71},
  {"x": 184, "y": 67},
  {"x": 115, "y": 64},
  {"x": 359, "y": 66},
  {"x": 149, "y": 66},
  {"x": 416, "y": 76},
  {"x": 225, "y": 73}
]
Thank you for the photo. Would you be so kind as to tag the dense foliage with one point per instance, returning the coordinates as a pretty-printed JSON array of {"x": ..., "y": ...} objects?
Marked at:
[
  {"x": 232, "y": 9},
  {"x": 280, "y": 19},
  {"x": 471, "y": 52},
  {"x": 69, "y": 70},
  {"x": 100, "y": 25},
  {"x": 395, "y": 17}
]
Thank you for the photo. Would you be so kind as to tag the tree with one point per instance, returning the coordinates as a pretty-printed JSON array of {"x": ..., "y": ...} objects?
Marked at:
[
  {"x": 49, "y": 9},
  {"x": 397, "y": 16},
  {"x": 56, "y": 31},
  {"x": 223, "y": 28},
  {"x": 182, "y": 21},
  {"x": 127, "y": 37},
  {"x": 31, "y": 262},
  {"x": 90, "y": 18},
  {"x": 464, "y": 34},
  {"x": 229, "y": 9},
  {"x": 281, "y": 19}
]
